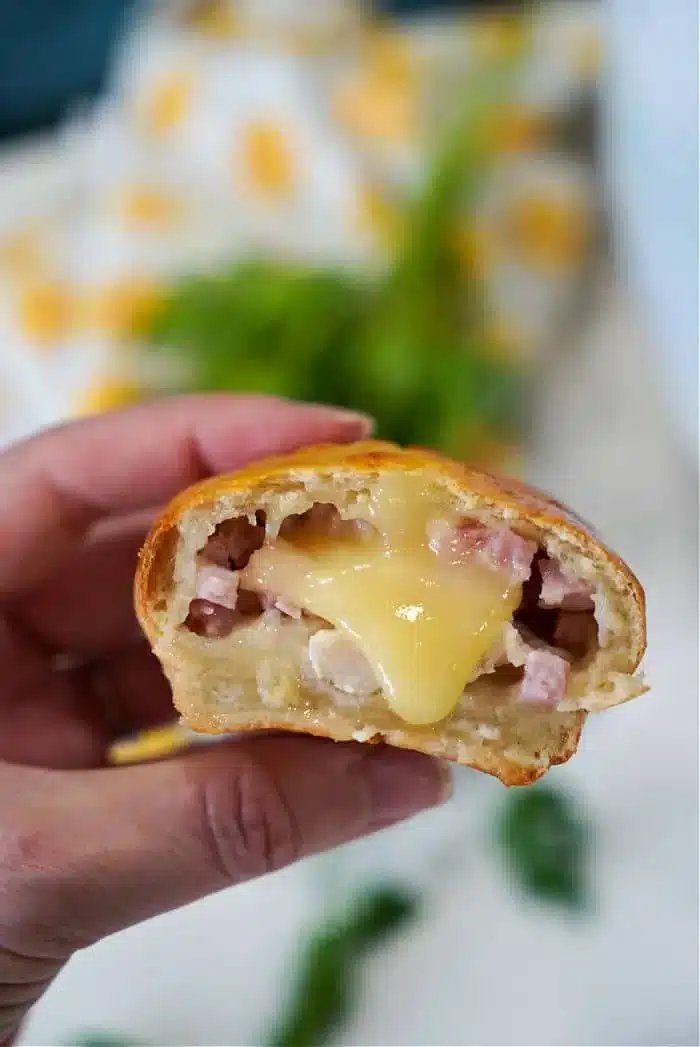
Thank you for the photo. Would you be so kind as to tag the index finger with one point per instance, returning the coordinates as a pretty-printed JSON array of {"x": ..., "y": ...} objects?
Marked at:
[{"x": 55, "y": 486}]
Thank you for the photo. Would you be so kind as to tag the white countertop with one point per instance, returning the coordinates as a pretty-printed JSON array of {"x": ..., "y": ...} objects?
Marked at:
[{"x": 484, "y": 968}]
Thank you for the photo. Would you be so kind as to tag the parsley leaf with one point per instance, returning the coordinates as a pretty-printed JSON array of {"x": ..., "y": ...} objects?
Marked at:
[
  {"x": 326, "y": 981},
  {"x": 546, "y": 839}
]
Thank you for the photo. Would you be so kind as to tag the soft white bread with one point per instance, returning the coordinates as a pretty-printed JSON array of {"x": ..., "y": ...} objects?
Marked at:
[{"x": 259, "y": 676}]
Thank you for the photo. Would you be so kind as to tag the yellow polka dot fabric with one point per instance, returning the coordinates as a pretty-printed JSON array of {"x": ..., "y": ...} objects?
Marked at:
[
  {"x": 46, "y": 312},
  {"x": 167, "y": 103},
  {"x": 123, "y": 307},
  {"x": 150, "y": 208},
  {"x": 20, "y": 254},
  {"x": 107, "y": 394},
  {"x": 239, "y": 127},
  {"x": 373, "y": 107},
  {"x": 217, "y": 22},
  {"x": 547, "y": 233},
  {"x": 269, "y": 160}
]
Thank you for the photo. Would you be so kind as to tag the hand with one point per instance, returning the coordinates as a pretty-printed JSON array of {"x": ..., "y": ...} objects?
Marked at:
[{"x": 86, "y": 849}]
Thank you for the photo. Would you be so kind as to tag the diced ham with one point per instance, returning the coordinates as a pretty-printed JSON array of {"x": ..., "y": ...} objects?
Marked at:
[
  {"x": 249, "y": 605},
  {"x": 324, "y": 516},
  {"x": 217, "y": 585},
  {"x": 216, "y": 551},
  {"x": 501, "y": 549},
  {"x": 545, "y": 679},
  {"x": 456, "y": 543},
  {"x": 576, "y": 631},
  {"x": 272, "y": 602},
  {"x": 323, "y": 520},
  {"x": 510, "y": 552},
  {"x": 513, "y": 648},
  {"x": 210, "y": 619},
  {"x": 562, "y": 590},
  {"x": 234, "y": 542}
]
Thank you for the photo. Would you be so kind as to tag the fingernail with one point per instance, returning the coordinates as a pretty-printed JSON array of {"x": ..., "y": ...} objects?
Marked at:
[
  {"x": 402, "y": 783},
  {"x": 349, "y": 424}
]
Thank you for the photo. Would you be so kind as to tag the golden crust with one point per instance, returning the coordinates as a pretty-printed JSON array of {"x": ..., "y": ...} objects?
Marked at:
[
  {"x": 509, "y": 772},
  {"x": 525, "y": 507}
]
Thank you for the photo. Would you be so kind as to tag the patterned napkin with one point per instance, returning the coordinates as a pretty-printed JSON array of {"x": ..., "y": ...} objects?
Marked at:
[{"x": 292, "y": 130}]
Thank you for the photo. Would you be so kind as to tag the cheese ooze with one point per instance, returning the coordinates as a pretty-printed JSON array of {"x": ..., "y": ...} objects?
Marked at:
[{"x": 423, "y": 623}]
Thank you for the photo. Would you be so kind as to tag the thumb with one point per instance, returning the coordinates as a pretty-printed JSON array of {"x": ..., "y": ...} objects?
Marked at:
[{"x": 91, "y": 852}]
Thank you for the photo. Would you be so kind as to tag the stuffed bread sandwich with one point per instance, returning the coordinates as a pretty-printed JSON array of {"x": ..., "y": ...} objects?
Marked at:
[{"x": 374, "y": 593}]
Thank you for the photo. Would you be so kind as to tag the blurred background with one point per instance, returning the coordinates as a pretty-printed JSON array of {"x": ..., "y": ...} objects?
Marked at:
[{"x": 480, "y": 224}]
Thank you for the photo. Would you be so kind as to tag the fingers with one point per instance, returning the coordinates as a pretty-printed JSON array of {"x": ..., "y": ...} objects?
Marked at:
[
  {"x": 89, "y": 853},
  {"x": 86, "y": 606},
  {"x": 132, "y": 691},
  {"x": 67, "y": 720},
  {"x": 52, "y": 724},
  {"x": 58, "y": 484}
]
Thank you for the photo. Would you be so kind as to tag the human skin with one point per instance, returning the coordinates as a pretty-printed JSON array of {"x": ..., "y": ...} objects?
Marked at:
[{"x": 87, "y": 849}]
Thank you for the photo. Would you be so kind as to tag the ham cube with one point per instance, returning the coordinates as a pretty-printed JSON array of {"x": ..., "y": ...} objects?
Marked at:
[
  {"x": 217, "y": 585},
  {"x": 545, "y": 679},
  {"x": 562, "y": 590},
  {"x": 500, "y": 549}
]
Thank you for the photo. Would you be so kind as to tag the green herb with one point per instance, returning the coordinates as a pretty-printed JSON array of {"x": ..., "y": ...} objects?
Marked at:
[
  {"x": 546, "y": 843},
  {"x": 261, "y": 327},
  {"x": 326, "y": 981},
  {"x": 415, "y": 365},
  {"x": 406, "y": 349}
]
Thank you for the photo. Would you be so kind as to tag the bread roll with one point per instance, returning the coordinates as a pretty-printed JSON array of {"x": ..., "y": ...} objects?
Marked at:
[{"x": 375, "y": 593}]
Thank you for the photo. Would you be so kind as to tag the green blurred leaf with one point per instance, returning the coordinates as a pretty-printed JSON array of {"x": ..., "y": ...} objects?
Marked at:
[
  {"x": 388, "y": 371},
  {"x": 326, "y": 981},
  {"x": 474, "y": 392},
  {"x": 413, "y": 368},
  {"x": 322, "y": 993},
  {"x": 261, "y": 327},
  {"x": 397, "y": 350},
  {"x": 379, "y": 912},
  {"x": 546, "y": 843}
]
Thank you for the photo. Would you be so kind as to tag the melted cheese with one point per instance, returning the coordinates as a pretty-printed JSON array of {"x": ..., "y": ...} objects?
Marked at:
[{"x": 423, "y": 624}]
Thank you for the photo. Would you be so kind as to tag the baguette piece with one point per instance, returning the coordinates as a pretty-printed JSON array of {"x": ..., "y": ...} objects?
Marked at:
[{"x": 376, "y": 593}]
